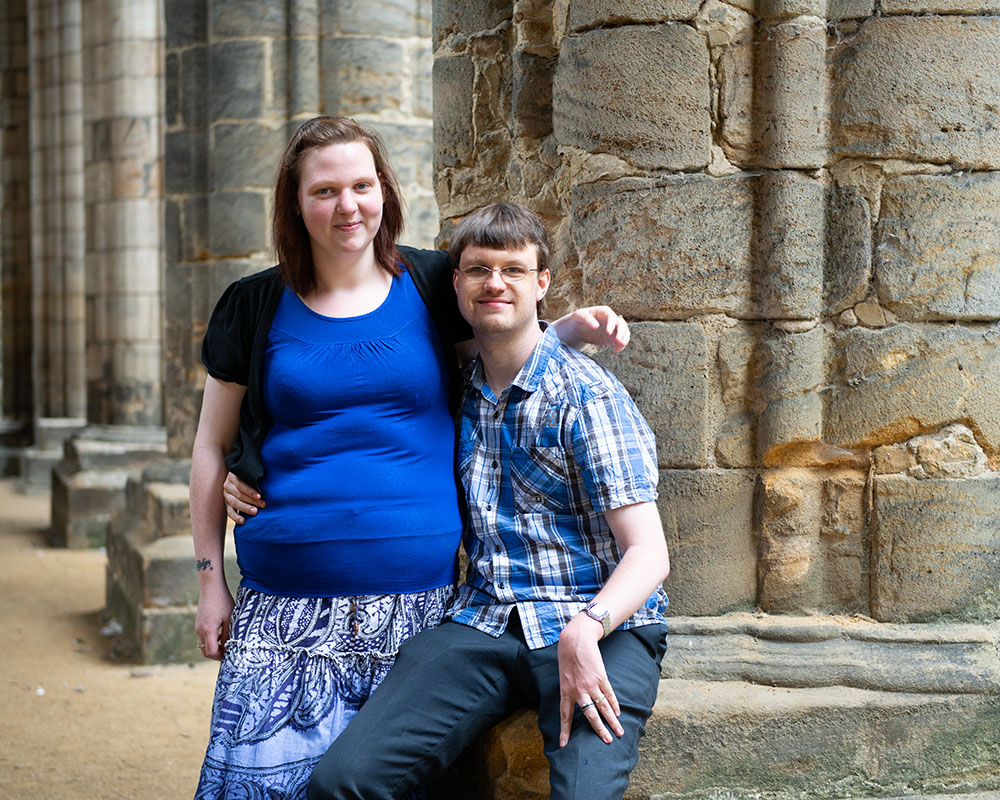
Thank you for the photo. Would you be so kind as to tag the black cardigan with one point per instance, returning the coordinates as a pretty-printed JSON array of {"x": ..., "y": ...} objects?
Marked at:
[{"x": 236, "y": 340}]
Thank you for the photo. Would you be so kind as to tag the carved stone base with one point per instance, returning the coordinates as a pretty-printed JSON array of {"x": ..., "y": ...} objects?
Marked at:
[
  {"x": 88, "y": 485},
  {"x": 37, "y": 461},
  {"x": 151, "y": 587}
]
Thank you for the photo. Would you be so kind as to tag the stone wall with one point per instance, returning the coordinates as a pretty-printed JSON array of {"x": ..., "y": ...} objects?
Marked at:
[{"x": 795, "y": 206}]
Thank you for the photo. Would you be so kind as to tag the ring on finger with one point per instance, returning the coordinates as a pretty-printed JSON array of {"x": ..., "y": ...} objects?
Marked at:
[
  {"x": 600, "y": 699},
  {"x": 202, "y": 645},
  {"x": 585, "y": 706}
]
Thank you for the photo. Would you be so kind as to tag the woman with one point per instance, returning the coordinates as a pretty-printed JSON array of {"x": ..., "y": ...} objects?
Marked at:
[{"x": 330, "y": 374}]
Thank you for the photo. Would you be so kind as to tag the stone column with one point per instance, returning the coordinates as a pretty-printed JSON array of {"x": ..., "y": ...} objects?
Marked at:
[
  {"x": 16, "y": 403},
  {"x": 57, "y": 233},
  {"x": 122, "y": 57},
  {"x": 794, "y": 207}
]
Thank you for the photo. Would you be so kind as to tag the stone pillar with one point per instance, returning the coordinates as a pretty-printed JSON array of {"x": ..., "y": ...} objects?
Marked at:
[
  {"x": 795, "y": 208},
  {"x": 16, "y": 403},
  {"x": 57, "y": 232},
  {"x": 122, "y": 126}
]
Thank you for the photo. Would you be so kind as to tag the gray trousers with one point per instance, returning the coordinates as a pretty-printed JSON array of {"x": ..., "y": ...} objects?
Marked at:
[{"x": 452, "y": 683}]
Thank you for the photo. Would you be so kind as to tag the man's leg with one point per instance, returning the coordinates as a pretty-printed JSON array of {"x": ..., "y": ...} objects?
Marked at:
[
  {"x": 587, "y": 768},
  {"x": 448, "y": 684}
]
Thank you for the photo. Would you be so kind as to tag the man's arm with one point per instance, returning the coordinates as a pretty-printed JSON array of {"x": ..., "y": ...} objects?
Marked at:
[
  {"x": 597, "y": 325},
  {"x": 644, "y": 565},
  {"x": 217, "y": 429}
]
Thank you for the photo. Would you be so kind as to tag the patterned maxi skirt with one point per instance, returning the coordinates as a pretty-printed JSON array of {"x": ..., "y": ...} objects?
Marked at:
[{"x": 295, "y": 670}]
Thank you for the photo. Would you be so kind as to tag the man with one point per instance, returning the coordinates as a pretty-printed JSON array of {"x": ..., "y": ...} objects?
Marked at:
[{"x": 562, "y": 610}]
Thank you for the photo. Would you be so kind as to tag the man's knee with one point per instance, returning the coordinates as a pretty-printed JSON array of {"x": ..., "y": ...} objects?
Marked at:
[{"x": 336, "y": 781}]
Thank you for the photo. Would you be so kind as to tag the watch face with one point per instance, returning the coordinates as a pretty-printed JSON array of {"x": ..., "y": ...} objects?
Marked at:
[{"x": 597, "y": 611}]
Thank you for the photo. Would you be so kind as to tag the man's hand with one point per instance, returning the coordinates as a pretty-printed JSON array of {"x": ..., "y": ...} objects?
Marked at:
[
  {"x": 583, "y": 680},
  {"x": 597, "y": 325},
  {"x": 241, "y": 499},
  {"x": 215, "y": 608}
]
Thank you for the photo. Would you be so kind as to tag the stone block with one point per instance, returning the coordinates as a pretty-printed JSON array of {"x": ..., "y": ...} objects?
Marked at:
[
  {"x": 666, "y": 248},
  {"x": 783, "y": 743},
  {"x": 849, "y": 9},
  {"x": 362, "y": 74},
  {"x": 789, "y": 371},
  {"x": 978, "y": 7},
  {"x": 469, "y": 17},
  {"x": 812, "y": 542},
  {"x": 639, "y": 92},
  {"x": 531, "y": 99},
  {"x": 454, "y": 138},
  {"x": 167, "y": 512},
  {"x": 411, "y": 151},
  {"x": 238, "y": 223},
  {"x": 185, "y": 23},
  {"x": 891, "y": 384},
  {"x": 83, "y": 504},
  {"x": 893, "y": 91},
  {"x": 934, "y": 549},
  {"x": 239, "y": 72},
  {"x": 403, "y": 18},
  {"x": 244, "y": 20},
  {"x": 422, "y": 68},
  {"x": 594, "y": 13},
  {"x": 707, "y": 519},
  {"x": 735, "y": 433},
  {"x": 848, "y": 248},
  {"x": 788, "y": 245},
  {"x": 665, "y": 369},
  {"x": 938, "y": 247},
  {"x": 771, "y": 98},
  {"x": 245, "y": 155},
  {"x": 818, "y": 651}
]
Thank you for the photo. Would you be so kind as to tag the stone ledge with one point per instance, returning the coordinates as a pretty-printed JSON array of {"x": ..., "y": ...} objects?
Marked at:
[{"x": 815, "y": 652}]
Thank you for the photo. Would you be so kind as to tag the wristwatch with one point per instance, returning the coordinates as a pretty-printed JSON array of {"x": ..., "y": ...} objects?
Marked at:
[{"x": 595, "y": 610}]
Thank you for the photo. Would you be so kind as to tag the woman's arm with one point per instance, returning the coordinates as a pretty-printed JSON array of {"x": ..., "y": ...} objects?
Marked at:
[
  {"x": 217, "y": 430},
  {"x": 598, "y": 325}
]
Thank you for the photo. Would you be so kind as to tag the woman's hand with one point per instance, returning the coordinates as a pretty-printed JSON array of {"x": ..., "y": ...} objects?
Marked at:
[
  {"x": 215, "y": 608},
  {"x": 241, "y": 499},
  {"x": 597, "y": 325}
]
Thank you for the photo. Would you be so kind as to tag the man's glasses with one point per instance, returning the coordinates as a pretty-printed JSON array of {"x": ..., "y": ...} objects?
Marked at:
[{"x": 477, "y": 273}]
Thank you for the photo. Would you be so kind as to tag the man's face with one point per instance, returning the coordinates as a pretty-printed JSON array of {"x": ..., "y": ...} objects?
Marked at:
[{"x": 496, "y": 305}]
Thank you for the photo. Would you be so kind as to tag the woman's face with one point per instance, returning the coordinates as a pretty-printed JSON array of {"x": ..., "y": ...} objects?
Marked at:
[{"x": 340, "y": 198}]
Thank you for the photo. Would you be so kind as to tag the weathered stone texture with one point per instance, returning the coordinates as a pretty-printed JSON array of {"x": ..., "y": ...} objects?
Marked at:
[
  {"x": 848, "y": 249},
  {"x": 935, "y": 549},
  {"x": 788, "y": 368},
  {"x": 707, "y": 735},
  {"x": 395, "y": 17},
  {"x": 244, "y": 155},
  {"x": 938, "y": 250},
  {"x": 812, "y": 549},
  {"x": 819, "y": 650},
  {"x": 952, "y": 452},
  {"x": 667, "y": 248},
  {"x": 531, "y": 98},
  {"x": 468, "y": 17},
  {"x": 940, "y": 7},
  {"x": 454, "y": 137},
  {"x": 665, "y": 369},
  {"x": 640, "y": 92},
  {"x": 362, "y": 74},
  {"x": 239, "y": 76},
  {"x": 247, "y": 19},
  {"x": 895, "y": 91},
  {"x": 772, "y": 90},
  {"x": 707, "y": 518},
  {"x": 592, "y": 13},
  {"x": 735, "y": 433},
  {"x": 889, "y": 385}
]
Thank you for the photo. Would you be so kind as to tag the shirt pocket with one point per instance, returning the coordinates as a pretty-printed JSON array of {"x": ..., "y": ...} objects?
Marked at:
[{"x": 538, "y": 479}]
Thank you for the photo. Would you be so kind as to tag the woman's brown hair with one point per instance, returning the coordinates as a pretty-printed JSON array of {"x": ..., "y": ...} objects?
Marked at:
[{"x": 291, "y": 239}]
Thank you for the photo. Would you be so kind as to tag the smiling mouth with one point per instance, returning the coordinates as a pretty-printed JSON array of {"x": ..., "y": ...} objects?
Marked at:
[{"x": 348, "y": 226}]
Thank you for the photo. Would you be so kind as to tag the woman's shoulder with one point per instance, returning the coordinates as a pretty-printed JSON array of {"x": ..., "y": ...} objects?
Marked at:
[{"x": 420, "y": 260}]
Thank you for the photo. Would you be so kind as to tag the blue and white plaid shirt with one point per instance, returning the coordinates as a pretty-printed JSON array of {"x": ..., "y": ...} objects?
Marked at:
[{"x": 563, "y": 443}]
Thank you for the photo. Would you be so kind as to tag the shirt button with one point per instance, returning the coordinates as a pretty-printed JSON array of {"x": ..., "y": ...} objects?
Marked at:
[
  {"x": 496, "y": 415},
  {"x": 500, "y": 585},
  {"x": 495, "y": 465},
  {"x": 496, "y": 549},
  {"x": 489, "y": 508},
  {"x": 538, "y": 498}
]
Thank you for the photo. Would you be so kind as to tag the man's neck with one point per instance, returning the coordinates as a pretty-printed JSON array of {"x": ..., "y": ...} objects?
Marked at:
[{"x": 504, "y": 354}]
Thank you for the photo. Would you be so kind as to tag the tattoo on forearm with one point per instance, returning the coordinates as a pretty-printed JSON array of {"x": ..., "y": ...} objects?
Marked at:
[{"x": 202, "y": 564}]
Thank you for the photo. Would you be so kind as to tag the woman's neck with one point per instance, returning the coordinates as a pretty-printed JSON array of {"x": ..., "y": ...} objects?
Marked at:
[{"x": 348, "y": 286}]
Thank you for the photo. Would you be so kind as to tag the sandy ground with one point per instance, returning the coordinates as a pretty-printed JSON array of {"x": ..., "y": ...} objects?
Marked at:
[{"x": 75, "y": 723}]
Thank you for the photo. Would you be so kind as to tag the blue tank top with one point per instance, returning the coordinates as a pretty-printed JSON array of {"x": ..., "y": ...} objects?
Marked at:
[{"x": 358, "y": 464}]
